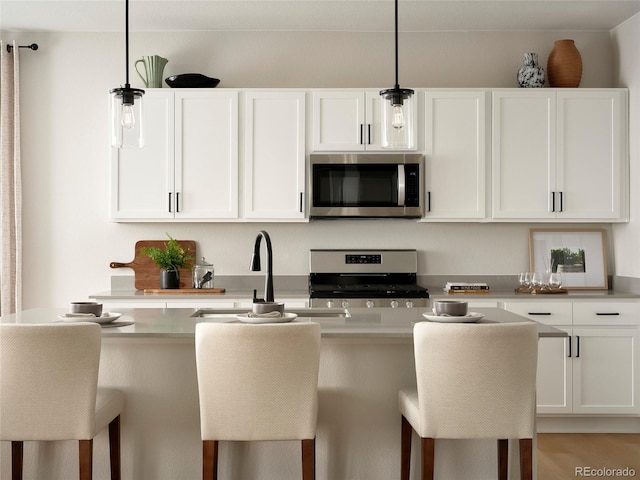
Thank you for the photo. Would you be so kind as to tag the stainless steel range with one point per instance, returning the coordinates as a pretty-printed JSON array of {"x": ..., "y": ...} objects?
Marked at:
[{"x": 365, "y": 278}]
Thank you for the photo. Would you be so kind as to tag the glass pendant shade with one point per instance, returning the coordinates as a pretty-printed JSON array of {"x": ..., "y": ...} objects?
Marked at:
[
  {"x": 397, "y": 119},
  {"x": 126, "y": 118}
]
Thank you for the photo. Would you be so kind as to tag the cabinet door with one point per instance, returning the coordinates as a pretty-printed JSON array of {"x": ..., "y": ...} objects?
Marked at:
[
  {"x": 554, "y": 377},
  {"x": 274, "y": 155},
  {"x": 206, "y": 155},
  {"x": 372, "y": 136},
  {"x": 143, "y": 178},
  {"x": 523, "y": 149},
  {"x": 455, "y": 167},
  {"x": 339, "y": 120},
  {"x": 590, "y": 153},
  {"x": 605, "y": 367}
]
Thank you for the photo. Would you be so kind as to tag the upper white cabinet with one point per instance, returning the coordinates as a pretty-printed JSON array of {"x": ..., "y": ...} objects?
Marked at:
[
  {"x": 188, "y": 169},
  {"x": 142, "y": 179},
  {"x": 559, "y": 154},
  {"x": 455, "y": 154},
  {"x": 274, "y": 155},
  {"x": 347, "y": 120},
  {"x": 206, "y": 155}
]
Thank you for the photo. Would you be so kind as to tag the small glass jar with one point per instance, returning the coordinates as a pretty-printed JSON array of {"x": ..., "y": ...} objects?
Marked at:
[{"x": 203, "y": 275}]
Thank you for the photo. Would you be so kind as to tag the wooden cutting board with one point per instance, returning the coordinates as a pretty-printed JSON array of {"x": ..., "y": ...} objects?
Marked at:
[
  {"x": 147, "y": 273},
  {"x": 174, "y": 291}
]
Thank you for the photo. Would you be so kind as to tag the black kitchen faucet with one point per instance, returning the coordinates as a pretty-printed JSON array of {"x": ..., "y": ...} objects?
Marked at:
[{"x": 255, "y": 267}]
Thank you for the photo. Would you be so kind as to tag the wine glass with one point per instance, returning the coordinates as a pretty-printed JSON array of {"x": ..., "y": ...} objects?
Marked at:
[
  {"x": 539, "y": 280},
  {"x": 525, "y": 279},
  {"x": 555, "y": 280}
]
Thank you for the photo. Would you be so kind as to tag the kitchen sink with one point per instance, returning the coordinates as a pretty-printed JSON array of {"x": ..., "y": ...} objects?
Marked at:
[{"x": 301, "y": 312}]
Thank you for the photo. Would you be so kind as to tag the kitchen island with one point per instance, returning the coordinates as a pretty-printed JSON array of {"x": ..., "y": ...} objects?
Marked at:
[{"x": 366, "y": 358}]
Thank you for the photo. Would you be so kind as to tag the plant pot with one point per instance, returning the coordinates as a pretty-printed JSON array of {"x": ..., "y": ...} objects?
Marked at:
[{"x": 169, "y": 279}]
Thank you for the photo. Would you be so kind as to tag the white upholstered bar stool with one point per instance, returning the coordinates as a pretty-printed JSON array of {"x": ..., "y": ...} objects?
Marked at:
[
  {"x": 473, "y": 381},
  {"x": 257, "y": 382},
  {"x": 49, "y": 391}
]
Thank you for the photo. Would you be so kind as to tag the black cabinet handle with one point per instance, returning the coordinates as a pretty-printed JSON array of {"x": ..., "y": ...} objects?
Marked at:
[
  {"x": 169, "y": 202},
  {"x": 561, "y": 202},
  {"x": 177, "y": 202},
  {"x": 569, "y": 339},
  {"x": 301, "y": 196},
  {"x": 539, "y": 313},
  {"x": 607, "y": 313},
  {"x": 362, "y": 134},
  {"x": 428, "y": 201},
  {"x": 553, "y": 201},
  {"x": 578, "y": 346},
  {"x": 369, "y": 133}
]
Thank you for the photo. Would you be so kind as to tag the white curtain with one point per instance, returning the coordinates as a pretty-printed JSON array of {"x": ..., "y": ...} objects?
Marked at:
[{"x": 10, "y": 182}]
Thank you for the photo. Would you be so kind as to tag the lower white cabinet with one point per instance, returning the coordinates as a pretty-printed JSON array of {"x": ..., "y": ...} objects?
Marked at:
[{"x": 593, "y": 371}]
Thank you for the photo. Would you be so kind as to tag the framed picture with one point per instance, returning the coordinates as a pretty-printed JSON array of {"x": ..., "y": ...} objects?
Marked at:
[{"x": 577, "y": 255}]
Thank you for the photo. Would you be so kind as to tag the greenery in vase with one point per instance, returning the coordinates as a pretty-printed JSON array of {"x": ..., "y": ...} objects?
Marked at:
[{"x": 172, "y": 257}]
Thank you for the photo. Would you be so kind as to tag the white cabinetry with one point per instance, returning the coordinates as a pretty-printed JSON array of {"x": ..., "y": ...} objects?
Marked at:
[
  {"x": 559, "y": 154},
  {"x": 274, "y": 155},
  {"x": 142, "y": 179},
  {"x": 348, "y": 120},
  {"x": 593, "y": 370},
  {"x": 188, "y": 169},
  {"x": 455, "y": 160}
]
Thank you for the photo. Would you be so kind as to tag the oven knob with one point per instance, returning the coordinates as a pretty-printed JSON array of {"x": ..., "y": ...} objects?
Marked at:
[
  {"x": 394, "y": 304},
  {"x": 408, "y": 304},
  {"x": 370, "y": 304},
  {"x": 345, "y": 304},
  {"x": 329, "y": 303}
]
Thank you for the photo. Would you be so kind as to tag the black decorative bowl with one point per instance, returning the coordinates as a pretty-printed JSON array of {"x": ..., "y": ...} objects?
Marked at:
[{"x": 191, "y": 80}]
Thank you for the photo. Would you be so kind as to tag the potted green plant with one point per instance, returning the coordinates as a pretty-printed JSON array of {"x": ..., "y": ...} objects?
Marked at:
[{"x": 169, "y": 259}]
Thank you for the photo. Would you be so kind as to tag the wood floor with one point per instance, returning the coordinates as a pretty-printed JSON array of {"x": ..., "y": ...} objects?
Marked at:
[{"x": 560, "y": 455}]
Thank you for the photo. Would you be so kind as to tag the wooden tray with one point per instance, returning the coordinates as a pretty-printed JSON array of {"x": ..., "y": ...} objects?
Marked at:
[
  {"x": 147, "y": 273},
  {"x": 546, "y": 291},
  {"x": 183, "y": 290}
]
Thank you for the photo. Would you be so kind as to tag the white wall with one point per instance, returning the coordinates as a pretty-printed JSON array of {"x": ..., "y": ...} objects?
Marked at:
[
  {"x": 626, "y": 38},
  {"x": 68, "y": 239}
]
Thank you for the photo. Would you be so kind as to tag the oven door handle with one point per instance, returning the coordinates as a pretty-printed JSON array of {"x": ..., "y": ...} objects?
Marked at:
[{"x": 401, "y": 185}]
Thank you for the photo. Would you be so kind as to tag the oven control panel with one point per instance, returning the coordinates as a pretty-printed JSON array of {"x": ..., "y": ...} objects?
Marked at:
[{"x": 363, "y": 259}]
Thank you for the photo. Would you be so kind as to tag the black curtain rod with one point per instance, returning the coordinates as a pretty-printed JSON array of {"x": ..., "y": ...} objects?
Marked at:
[{"x": 33, "y": 46}]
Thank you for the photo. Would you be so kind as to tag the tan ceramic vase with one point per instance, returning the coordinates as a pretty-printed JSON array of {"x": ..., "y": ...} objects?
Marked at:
[{"x": 564, "y": 67}]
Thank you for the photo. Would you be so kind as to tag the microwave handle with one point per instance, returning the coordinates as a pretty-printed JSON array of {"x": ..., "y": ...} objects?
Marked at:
[{"x": 401, "y": 186}]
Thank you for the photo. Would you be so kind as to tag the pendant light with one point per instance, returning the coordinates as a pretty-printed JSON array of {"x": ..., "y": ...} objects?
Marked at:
[
  {"x": 126, "y": 106},
  {"x": 397, "y": 112}
]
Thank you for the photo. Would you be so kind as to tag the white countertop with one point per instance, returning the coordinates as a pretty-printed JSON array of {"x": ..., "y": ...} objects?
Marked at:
[{"x": 382, "y": 323}]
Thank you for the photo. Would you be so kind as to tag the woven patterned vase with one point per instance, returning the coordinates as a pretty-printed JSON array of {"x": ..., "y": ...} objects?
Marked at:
[{"x": 564, "y": 67}]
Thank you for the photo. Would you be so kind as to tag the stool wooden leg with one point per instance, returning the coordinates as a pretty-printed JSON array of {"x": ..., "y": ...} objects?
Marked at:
[
  {"x": 209, "y": 460},
  {"x": 308, "y": 459},
  {"x": 17, "y": 454},
  {"x": 405, "y": 449},
  {"x": 85, "y": 455},
  {"x": 114, "y": 448},
  {"x": 428, "y": 458},
  {"x": 526, "y": 459},
  {"x": 503, "y": 459}
]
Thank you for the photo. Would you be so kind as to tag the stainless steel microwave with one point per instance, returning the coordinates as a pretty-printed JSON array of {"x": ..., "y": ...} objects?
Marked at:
[{"x": 359, "y": 185}]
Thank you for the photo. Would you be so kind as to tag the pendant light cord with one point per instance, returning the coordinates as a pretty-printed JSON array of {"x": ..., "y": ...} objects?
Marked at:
[
  {"x": 396, "y": 27},
  {"x": 126, "y": 41}
]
